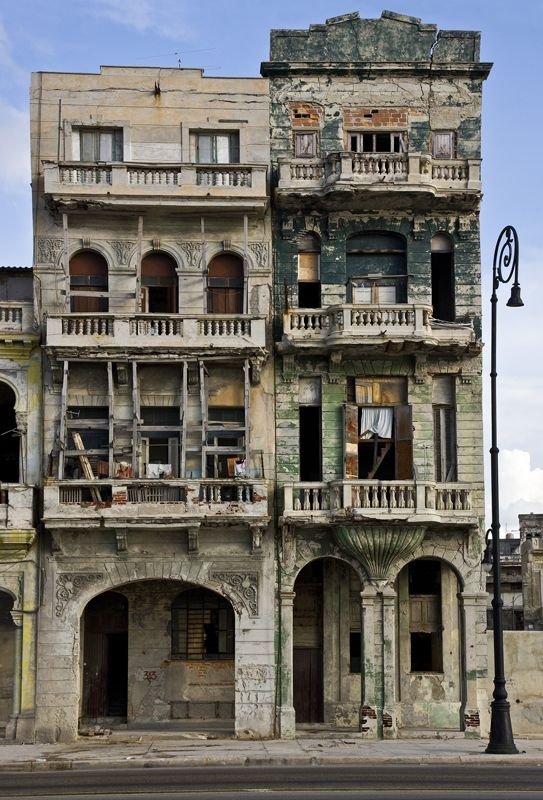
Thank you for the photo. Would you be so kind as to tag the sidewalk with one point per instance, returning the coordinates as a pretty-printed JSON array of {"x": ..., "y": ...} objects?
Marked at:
[{"x": 152, "y": 749}]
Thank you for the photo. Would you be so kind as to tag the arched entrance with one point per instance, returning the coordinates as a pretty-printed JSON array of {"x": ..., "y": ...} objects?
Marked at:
[
  {"x": 7, "y": 660},
  {"x": 225, "y": 284},
  {"x": 158, "y": 284},
  {"x": 430, "y": 646},
  {"x": 326, "y": 644},
  {"x": 105, "y": 658},
  {"x": 9, "y": 436}
]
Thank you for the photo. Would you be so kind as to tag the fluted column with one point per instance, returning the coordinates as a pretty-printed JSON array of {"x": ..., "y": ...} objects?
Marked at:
[{"x": 287, "y": 716}]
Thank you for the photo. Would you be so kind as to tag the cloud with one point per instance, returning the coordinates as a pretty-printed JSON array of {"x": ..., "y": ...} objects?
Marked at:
[
  {"x": 164, "y": 18},
  {"x": 14, "y": 148},
  {"x": 521, "y": 488}
]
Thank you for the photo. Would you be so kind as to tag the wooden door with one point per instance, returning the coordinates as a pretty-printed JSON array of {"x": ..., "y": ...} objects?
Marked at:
[
  {"x": 308, "y": 684},
  {"x": 105, "y": 657}
]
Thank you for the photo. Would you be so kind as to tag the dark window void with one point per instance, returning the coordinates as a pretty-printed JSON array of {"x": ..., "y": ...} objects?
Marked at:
[
  {"x": 202, "y": 626},
  {"x": 88, "y": 283},
  {"x": 9, "y": 436},
  {"x": 158, "y": 284},
  {"x": 310, "y": 443},
  {"x": 425, "y": 627},
  {"x": 309, "y": 283},
  {"x": 443, "y": 286},
  {"x": 354, "y": 651},
  {"x": 225, "y": 285}
]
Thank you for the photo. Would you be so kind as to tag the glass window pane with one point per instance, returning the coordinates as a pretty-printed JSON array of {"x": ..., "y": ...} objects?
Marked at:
[
  {"x": 106, "y": 145},
  {"x": 223, "y": 149},
  {"x": 204, "y": 149},
  {"x": 88, "y": 146}
]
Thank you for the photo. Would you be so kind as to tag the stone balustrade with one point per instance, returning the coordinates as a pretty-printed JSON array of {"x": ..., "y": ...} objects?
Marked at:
[
  {"x": 151, "y": 330},
  {"x": 174, "y": 498},
  {"x": 16, "y": 316},
  {"x": 413, "y": 169},
  {"x": 122, "y": 184},
  {"x": 384, "y": 498}
]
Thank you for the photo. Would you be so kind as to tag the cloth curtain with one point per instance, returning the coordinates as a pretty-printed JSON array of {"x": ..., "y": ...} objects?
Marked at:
[{"x": 376, "y": 422}]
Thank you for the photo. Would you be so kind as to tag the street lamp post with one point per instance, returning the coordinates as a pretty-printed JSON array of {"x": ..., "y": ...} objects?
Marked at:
[{"x": 504, "y": 268}]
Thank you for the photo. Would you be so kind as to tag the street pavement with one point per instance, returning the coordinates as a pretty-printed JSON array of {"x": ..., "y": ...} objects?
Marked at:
[{"x": 193, "y": 748}]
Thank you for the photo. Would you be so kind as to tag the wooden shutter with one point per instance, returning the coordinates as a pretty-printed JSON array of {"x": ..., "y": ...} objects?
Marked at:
[
  {"x": 351, "y": 441},
  {"x": 403, "y": 440}
]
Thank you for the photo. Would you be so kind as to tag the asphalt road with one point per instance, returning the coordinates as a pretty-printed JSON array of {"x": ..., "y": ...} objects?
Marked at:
[{"x": 405, "y": 781}]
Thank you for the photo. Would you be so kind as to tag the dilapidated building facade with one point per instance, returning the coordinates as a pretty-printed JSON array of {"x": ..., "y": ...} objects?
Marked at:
[
  {"x": 375, "y": 157},
  {"x": 20, "y": 414},
  {"x": 153, "y": 274}
]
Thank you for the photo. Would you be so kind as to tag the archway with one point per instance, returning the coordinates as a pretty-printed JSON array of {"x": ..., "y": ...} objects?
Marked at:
[
  {"x": 7, "y": 660},
  {"x": 105, "y": 658},
  {"x": 9, "y": 436},
  {"x": 88, "y": 282},
  {"x": 430, "y": 646},
  {"x": 327, "y": 644}
]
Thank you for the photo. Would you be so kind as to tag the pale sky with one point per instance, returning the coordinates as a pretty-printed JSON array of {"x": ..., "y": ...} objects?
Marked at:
[{"x": 231, "y": 38}]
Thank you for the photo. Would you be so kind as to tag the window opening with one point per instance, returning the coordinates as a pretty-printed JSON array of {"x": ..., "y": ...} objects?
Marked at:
[
  {"x": 425, "y": 625},
  {"x": 377, "y": 268},
  {"x": 158, "y": 284},
  {"x": 310, "y": 429},
  {"x": 202, "y": 625},
  {"x": 9, "y": 436},
  {"x": 217, "y": 148},
  {"x": 98, "y": 144},
  {"x": 382, "y": 142},
  {"x": 87, "y": 441},
  {"x": 309, "y": 283},
  {"x": 443, "y": 143},
  {"x": 225, "y": 281},
  {"x": 444, "y": 414},
  {"x": 305, "y": 144},
  {"x": 443, "y": 290},
  {"x": 88, "y": 283}
]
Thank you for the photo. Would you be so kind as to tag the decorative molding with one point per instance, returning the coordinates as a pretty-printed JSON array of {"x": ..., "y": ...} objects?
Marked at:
[
  {"x": 261, "y": 253},
  {"x": 86, "y": 242},
  {"x": 193, "y": 540},
  {"x": 379, "y": 547},
  {"x": 193, "y": 253},
  {"x": 48, "y": 250},
  {"x": 156, "y": 244},
  {"x": 121, "y": 540},
  {"x": 122, "y": 249},
  {"x": 226, "y": 244},
  {"x": 257, "y": 533},
  {"x": 418, "y": 229},
  {"x": 257, "y": 362},
  {"x": 70, "y": 584},
  {"x": 244, "y": 586}
]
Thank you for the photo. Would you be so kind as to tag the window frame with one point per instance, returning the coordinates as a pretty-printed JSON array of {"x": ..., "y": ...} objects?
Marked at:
[
  {"x": 233, "y": 137},
  {"x": 192, "y": 605},
  {"x": 312, "y": 136},
  {"x": 450, "y": 150},
  {"x": 397, "y": 140},
  {"x": 96, "y": 132}
]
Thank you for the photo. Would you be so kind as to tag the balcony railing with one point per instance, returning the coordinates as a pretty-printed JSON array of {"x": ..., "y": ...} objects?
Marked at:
[
  {"x": 356, "y": 325},
  {"x": 417, "y": 170},
  {"x": 126, "y": 183},
  {"x": 152, "y": 330},
  {"x": 15, "y": 317},
  {"x": 388, "y": 498},
  {"x": 172, "y": 497}
]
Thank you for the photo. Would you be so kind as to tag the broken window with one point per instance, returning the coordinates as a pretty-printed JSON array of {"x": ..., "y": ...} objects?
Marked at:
[
  {"x": 443, "y": 144},
  {"x": 158, "y": 284},
  {"x": 225, "y": 281},
  {"x": 377, "y": 268},
  {"x": 425, "y": 623},
  {"x": 378, "y": 430},
  {"x": 88, "y": 282},
  {"x": 202, "y": 626},
  {"x": 87, "y": 442},
  {"x": 309, "y": 283},
  {"x": 97, "y": 144},
  {"x": 305, "y": 144},
  {"x": 216, "y": 148},
  {"x": 9, "y": 436},
  {"x": 442, "y": 277},
  {"x": 444, "y": 414},
  {"x": 225, "y": 399},
  {"x": 377, "y": 142},
  {"x": 310, "y": 429},
  {"x": 160, "y": 427}
]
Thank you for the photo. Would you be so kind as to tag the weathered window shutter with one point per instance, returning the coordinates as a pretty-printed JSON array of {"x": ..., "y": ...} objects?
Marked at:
[
  {"x": 403, "y": 436},
  {"x": 351, "y": 441}
]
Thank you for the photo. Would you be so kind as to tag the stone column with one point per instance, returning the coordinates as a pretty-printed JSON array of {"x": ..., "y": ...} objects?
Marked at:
[
  {"x": 11, "y": 727},
  {"x": 388, "y": 607},
  {"x": 287, "y": 717},
  {"x": 474, "y": 646},
  {"x": 368, "y": 713}
]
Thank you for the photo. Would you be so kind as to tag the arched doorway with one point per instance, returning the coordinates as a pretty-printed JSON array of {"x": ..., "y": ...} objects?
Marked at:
[
  {"x": 9, "y": 436},
  {"x": 225, "y": 285},
  {"x": 105, "y": 658},
  {"x": 158, "y": 284},
  {"x": 430, "y": 646},
  {"x": 7, "y": 660},
  {"x": 327, "y": 644}
]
